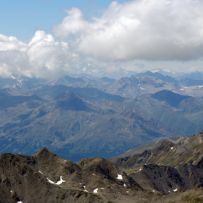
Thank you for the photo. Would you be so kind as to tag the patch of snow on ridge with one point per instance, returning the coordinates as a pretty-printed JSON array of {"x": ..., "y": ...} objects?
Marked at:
[
  {"x": 120, "y": 177},
  {"x": 58, "y": 182},
  {"x": 85, "y": 190},
  {"x": 95, "y": 191},
  {"x": 175, "y": 190},
  {"x": 140, "y": 169},
  {"x": 51, "y": 182}
]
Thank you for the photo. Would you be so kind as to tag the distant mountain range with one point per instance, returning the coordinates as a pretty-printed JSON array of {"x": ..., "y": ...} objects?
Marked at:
[
  {"x": 166, "y": 171},
  {"x": 77, "y": 117}
]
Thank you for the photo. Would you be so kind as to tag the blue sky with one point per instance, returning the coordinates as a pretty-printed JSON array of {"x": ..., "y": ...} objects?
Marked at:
[{"x": 21, "y": 18}]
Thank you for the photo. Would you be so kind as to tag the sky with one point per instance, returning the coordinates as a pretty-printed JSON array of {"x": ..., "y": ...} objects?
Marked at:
[
  {"x": 22, "y": 18},
  {"x": 46, "y": 38}
]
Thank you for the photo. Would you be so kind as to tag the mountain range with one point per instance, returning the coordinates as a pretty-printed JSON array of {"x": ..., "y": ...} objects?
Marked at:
[{"x": 79, "y": 117}]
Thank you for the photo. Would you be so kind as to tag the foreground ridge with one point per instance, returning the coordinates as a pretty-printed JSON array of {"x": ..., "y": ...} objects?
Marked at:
[{"x": 44, "y": 177}]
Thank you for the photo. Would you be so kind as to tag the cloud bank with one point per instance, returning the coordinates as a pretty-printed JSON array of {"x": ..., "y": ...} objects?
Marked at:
[
  {"x": 150, "y": 31},
  {"x": 141, "y": 29}
]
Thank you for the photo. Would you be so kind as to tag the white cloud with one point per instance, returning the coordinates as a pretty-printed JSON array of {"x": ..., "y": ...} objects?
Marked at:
[
  {"x": 13, "y": 58},
  {"x": 73, "y": 23},
  {"x": 140, "y": 29},
  {"x": 11, "y": 44},
  {"x": 138, "y": 34},
  {"x": 47, "y": 55},
  {"x": 43, "y": 56}
]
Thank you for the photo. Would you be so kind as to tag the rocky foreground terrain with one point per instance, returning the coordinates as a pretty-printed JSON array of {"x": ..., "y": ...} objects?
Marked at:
[{"x": 166, "y": 171}]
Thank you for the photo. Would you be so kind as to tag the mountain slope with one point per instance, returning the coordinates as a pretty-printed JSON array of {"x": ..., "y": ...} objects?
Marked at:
[
  {"x": 170, "y": 97},
  {"x": 166, "y": 166},
  {"x": 170, "y": 152},
  {"x": 8, "y": 100}
]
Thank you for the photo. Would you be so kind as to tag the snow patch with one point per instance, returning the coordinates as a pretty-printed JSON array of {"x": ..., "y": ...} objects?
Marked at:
[
  {"x": 58, "y": 182},
  {"x": 119, "y": 177},
  {"x": 95, "y": 191},
  {"x": 124, "y": 185},
  {"x": 175, "y": 190},
  {"x": 172, "y": 148},
  {"x": 40, "y": 172},
  {"x": 50, "y": 181},
  {"x": 85, "y": 190},
  {"x": 19, "y": 202}
]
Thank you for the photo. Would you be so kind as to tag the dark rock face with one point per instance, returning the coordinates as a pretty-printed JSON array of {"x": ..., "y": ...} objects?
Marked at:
[
  {"x": 161, "y": 178},
  {"x": 167, "y": 179},
  {"x": 192, "y": 175}
]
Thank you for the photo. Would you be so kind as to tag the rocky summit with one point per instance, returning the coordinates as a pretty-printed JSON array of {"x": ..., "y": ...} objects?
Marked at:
[{"x": 44, "y": 177}]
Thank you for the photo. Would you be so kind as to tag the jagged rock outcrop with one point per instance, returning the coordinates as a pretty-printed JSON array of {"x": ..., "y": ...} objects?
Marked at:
[
  {"x": 44, "y": 177},
  {"x": 21, "y": 181}
]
